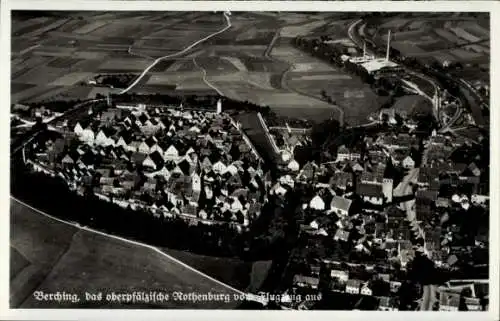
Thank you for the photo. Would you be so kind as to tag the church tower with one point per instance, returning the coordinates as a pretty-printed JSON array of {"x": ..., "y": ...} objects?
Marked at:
[
  {"x": 219, "y": 106},
  {"x": 108, "y": 99}
]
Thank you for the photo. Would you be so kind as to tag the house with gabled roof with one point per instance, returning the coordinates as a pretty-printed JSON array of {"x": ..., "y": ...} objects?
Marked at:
[
  {"x": 87, "y": 136},
  {"x": 340, "y": 205},
  {"x": 341, "y": 275},
  {"x": 219, "y": 167},
  {"x": 341, "y": 235},
  {"x": 371, "y": 193},
  {"x": 307, "y": 172},
  {"x": 408, "y": 162},
  {"x": 353, "y": 286},
  {"x": 449, "y": 301},
  {"x": 317, "y": 203},
  {"x": 386, "y": 304},
  {"x": 67, "y": 160},
  {"x": 345, "y": 154},
  {"x": 171, "y": 153},
  {"x": 293, "y": 165},
  {"x": 78, "y": 129},
  {"x": 426, "y": 175},
  {"x": 306, "y": 281}
]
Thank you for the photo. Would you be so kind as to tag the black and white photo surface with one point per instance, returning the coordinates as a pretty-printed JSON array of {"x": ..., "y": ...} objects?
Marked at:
[{"x": 250, "y": 160}]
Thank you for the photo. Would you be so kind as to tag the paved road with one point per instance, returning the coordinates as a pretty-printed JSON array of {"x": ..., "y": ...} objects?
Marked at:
[
  {"x": 404, "y": 189},
  {"x": 194, "y": 44}
]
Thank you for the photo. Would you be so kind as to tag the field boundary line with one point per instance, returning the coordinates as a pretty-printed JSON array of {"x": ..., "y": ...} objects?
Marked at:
[
  {"x": 194, "y": 44},
  {"x": 204, "y": 78},
  {"x": 150, "y": 247}
]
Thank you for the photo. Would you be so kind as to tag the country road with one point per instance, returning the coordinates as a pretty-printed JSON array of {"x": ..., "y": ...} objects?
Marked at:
[
  {"x": 205, "y": 80},
  {"x": 194, "y": 44}
]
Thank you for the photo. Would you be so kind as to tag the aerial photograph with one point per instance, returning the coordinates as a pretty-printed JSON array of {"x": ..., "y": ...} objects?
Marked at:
[{"x": 249, "y": 160}]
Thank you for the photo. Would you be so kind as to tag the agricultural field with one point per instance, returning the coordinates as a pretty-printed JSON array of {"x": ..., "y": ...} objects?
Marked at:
[
  {"x": 459, "y": 39},
  {"x": 412, "y": 104},
  {"x": 253, "y": 60},
  {"x": 51, "y": 256}
]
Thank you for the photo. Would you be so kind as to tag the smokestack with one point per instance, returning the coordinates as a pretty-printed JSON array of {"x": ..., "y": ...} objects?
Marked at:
[
  {"x": 388, "y": 45},
  {"x": 364, "y": 49}
]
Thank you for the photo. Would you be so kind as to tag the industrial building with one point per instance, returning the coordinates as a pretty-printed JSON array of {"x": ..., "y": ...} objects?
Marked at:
[{"x": 373, "y": 67}]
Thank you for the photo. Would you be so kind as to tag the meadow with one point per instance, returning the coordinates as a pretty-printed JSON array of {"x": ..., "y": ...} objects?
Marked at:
[{"x": 51, "y": 256}]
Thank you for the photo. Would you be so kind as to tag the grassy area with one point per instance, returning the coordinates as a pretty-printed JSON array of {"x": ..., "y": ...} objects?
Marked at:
[
  {"x": 230, "y": 271},
  {"x": 62, "y": 258}
]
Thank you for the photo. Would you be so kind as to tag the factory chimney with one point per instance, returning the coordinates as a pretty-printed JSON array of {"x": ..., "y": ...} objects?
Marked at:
[{"x": 388, "y": 45}]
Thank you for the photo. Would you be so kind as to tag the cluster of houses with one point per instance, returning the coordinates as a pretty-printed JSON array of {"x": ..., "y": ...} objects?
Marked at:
[
  {"x": 446, "y": 188},
  {"x": 351, "y": 200},
  {"x": 467, "y": 296},
  {"x": 200, "y": 166},
  {"x": 171, "y": 162}
]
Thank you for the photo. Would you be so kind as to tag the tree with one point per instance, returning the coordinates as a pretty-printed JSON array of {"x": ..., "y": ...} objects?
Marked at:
[{"x": 323, "y": 95}]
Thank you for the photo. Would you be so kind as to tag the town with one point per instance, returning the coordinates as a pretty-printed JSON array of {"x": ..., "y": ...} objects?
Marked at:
[{"x": 388, "y": 214}]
